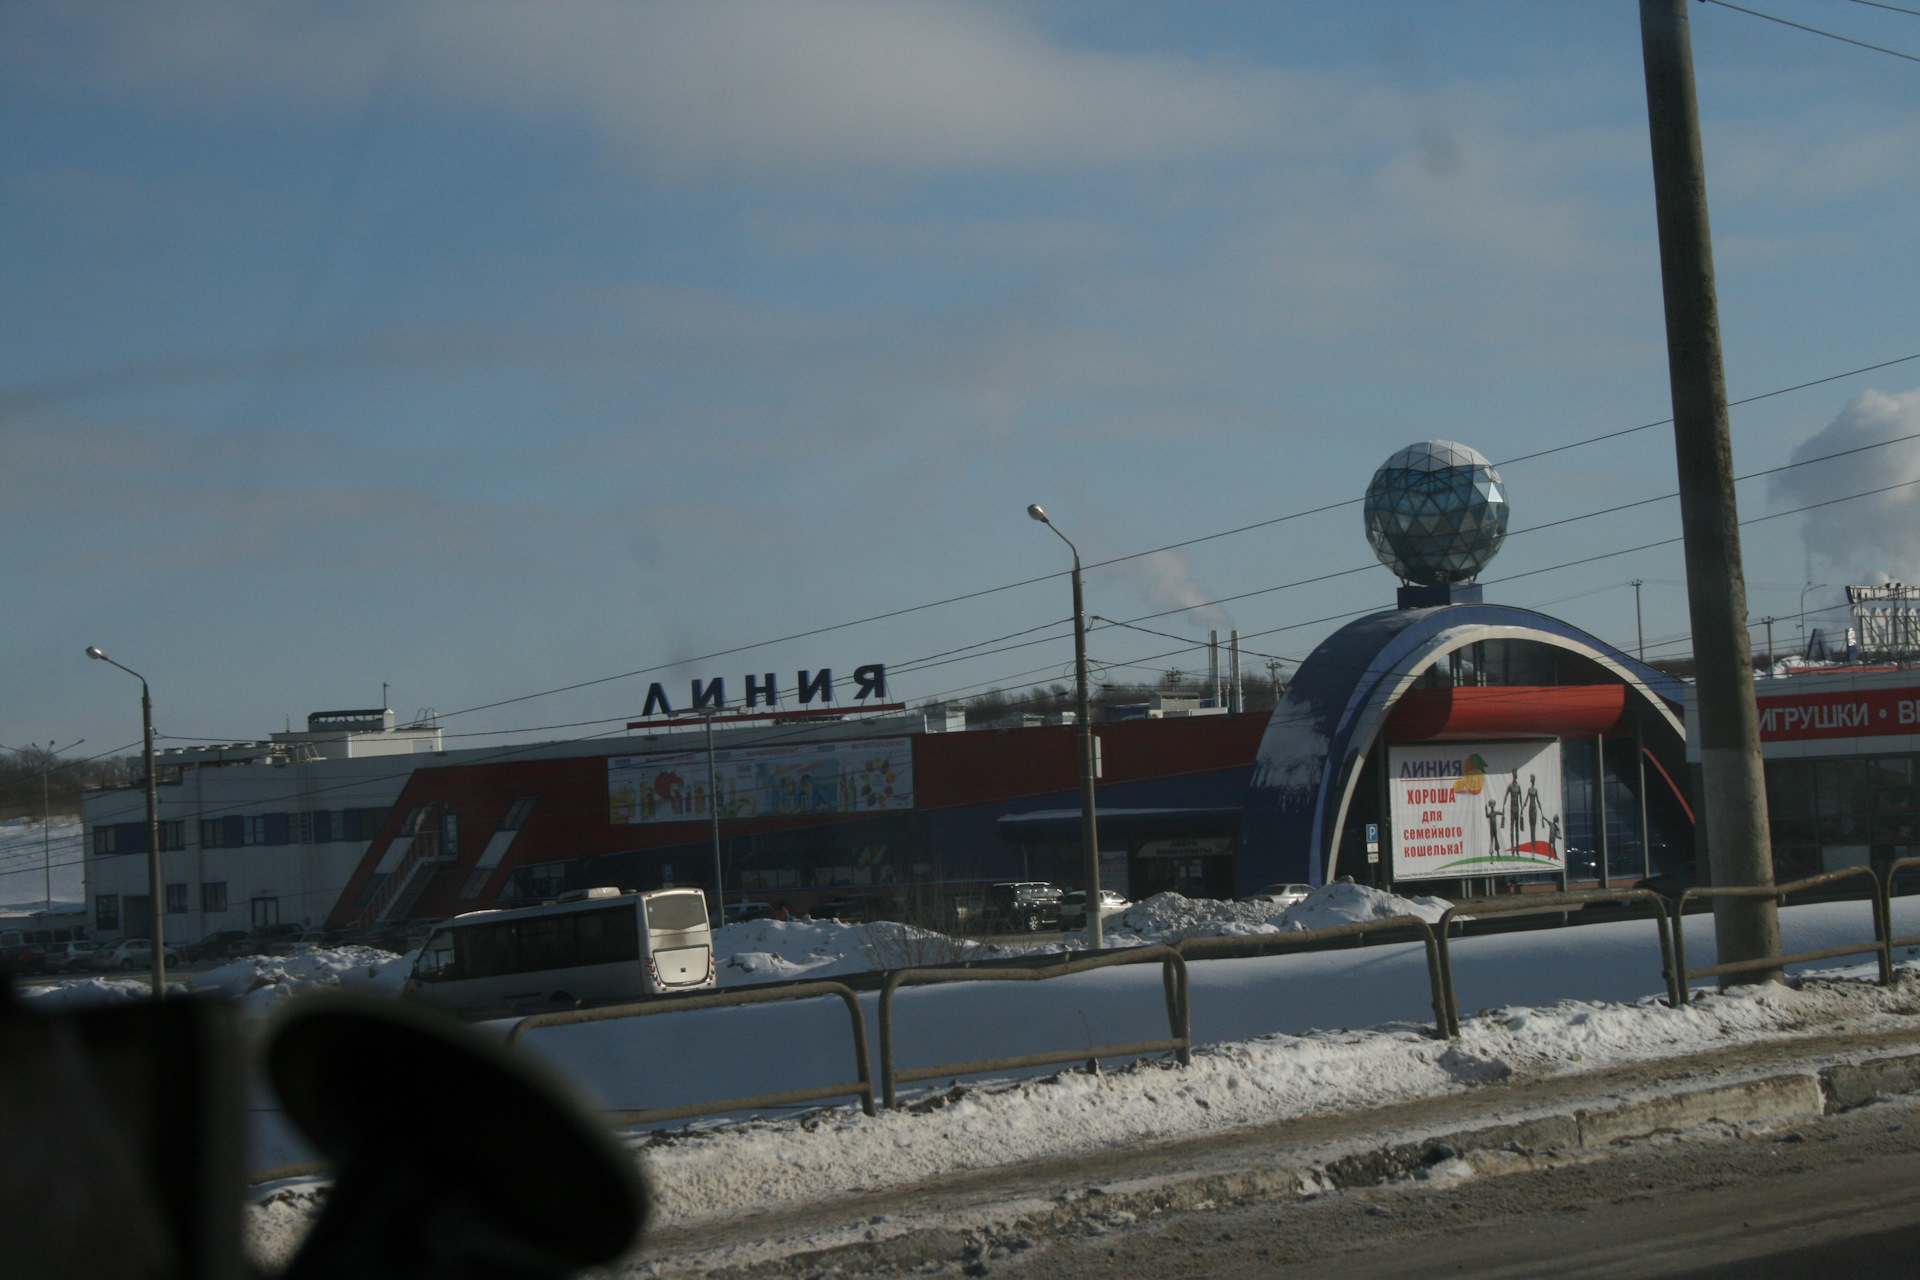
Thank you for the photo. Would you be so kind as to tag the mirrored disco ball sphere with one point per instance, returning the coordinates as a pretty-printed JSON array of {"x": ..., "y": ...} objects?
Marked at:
[{"x": 1436, "y": 513}]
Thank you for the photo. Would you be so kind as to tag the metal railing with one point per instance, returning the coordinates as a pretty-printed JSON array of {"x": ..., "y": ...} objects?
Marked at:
[
  {"x": 1881, "y": 946},
  {"x": 1173, "y": 978},
  {"x": 1545, "y": 903},
  {"x": 1893, "y": 869},
  {"x": 1173, "y": 960},
  {"x": 861, "y": 1088},
  {"x": 1439, "y": 979}
]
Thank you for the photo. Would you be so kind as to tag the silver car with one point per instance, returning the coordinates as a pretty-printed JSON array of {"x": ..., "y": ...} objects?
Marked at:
[
  {"x": 1281, "y": 896},
  {"x": 1073, "y": 907}
]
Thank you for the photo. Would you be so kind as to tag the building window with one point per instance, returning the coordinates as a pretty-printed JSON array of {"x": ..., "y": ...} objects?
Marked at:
[
  {"x": 213, "y": 895},
  {"x": 103, "y": 843},
  {"x": 176, "y": 899},
  {"x": 269, "y": 828},
  {"x": 517, "y": 815},
  {"x": 320, "y": 827},
  {"x": 266, "y": 911},
  {"x": 449, "y": 834},
  {"x": 173, "y": 836},
  {"x": 106, "y": 911},
  {"x": 416, "y": 818}
]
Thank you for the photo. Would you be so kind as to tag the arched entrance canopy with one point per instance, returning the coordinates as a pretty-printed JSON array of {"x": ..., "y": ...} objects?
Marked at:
[{"x": 1334, "y": 710}]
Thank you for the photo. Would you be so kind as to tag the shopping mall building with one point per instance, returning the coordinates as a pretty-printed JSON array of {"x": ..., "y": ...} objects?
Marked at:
[{"x": 1446, "y": 745}]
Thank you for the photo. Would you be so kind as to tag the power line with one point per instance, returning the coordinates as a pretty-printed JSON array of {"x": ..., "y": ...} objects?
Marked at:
[
  {"x": 1171, "y": 546},
  {"x": 1875, "y": 4},
  {"x": 1801, "y": 26}
]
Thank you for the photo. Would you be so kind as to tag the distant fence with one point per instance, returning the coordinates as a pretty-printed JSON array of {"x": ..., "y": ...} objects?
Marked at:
[
  {"x": 861, "y": 1087},
  {"x": 1879, "y": 902},
  {"x": 1173, "y": 978},
  {"x": 1667, "y": 919},
  {"x": 1553, "y": 903}
]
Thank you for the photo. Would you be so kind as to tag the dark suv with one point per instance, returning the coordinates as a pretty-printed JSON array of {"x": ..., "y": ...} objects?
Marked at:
[{"x": 1023, "y": 906}]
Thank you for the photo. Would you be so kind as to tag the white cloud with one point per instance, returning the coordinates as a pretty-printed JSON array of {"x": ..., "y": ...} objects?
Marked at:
[
  {"x": 1878, "y": 534},
  {"x": 774, "y": 85}
]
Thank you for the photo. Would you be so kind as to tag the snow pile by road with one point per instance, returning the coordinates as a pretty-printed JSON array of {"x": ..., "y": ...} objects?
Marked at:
[
  {"x": 79, "y": 993},
  {"x": 1337, "y": 904},
  {"x": 1168, "y": 917},
  {"x": 776, "y": 950},
  {"x": 263, "y": 983},
  {"x": 734, "y": 1169}
]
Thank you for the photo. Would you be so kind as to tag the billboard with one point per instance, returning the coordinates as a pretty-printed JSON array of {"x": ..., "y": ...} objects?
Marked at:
[
  {"x": 869, "y": 775},
  {"x": 1476, "y": 809}
]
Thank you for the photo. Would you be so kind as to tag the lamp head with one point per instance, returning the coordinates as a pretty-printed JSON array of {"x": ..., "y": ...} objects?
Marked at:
[
  {"x": 1033, "y": 510},
  {"x": 94, "y": 652}
]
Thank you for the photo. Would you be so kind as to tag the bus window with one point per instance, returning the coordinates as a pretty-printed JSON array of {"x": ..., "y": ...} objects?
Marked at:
[
  {"x": 676, "y": 911},
  {"x": 436, "y": 962},
  {"x": 485, "y": 950},
  {"x": 608, "y": 937}
]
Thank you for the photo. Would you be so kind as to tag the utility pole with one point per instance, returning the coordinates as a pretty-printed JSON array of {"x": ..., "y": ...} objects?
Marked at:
[
  {"x": 1089, "y": 760},
  {"x": 1768, "y": 621},
  {"x": 1639, "y": 628},
  {"x": 1735, "y": 800}
]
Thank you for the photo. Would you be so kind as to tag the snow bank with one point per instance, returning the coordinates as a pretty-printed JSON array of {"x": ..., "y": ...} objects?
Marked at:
[
  {"x": 776, "y": 950},
  {"x": 79, "y": 993},
  {"x": 263, "y": 983},
  {"x": 1168, "y": 917},
  {"x": 1337, "y": 904},
  {"x": 749, "y": 1167}
]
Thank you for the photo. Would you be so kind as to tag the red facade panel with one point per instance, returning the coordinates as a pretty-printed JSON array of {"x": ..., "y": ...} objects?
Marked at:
[{"x": 1508, "y": 711}]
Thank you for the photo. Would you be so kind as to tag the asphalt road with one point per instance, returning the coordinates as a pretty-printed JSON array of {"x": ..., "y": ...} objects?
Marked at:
[{"x": 1839, "y": 1196}]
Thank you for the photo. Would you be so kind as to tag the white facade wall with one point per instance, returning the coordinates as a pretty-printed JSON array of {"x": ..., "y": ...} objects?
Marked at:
[{"x": 302, "y": 881}]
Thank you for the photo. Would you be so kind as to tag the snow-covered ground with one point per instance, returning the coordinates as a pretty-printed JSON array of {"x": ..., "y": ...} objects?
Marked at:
[{"x": 27, "y": 850}]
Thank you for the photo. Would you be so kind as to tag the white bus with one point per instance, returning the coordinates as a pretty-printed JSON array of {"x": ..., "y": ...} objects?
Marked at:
[{"x": 590, "y": 945}]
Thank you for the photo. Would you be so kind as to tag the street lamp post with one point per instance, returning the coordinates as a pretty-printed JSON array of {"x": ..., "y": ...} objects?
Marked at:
[
  {"x": 713, "y": 811},
  {"x": 1089, "y": 830},
  {"x": 155, "y": 894}
]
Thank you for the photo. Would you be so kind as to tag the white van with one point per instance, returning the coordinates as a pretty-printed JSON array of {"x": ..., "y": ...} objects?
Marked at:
[{"x": 591, "y": 945}]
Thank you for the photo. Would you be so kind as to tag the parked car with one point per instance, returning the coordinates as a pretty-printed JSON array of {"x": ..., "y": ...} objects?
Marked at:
[
  {"x": 215, "y": 946},
  {"x": 1281, "y": 896},
  {"x": 68, "y": 957},
  {"x": 1023, "y": 905},
  {"x": 23, "y": 957},
  {"x": 128, "y": 954},
  {"x": 741, "y": 912},
  {"x": 860, "y": 910},
  {"x": 259, "y": 941},
  {"x": 1073, "y": 907}
]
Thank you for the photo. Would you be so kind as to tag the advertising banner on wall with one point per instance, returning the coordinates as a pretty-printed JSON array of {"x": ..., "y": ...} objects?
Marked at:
[
  {"x": 1476, "y": 809},
  {"x": 870, "y": 775}
]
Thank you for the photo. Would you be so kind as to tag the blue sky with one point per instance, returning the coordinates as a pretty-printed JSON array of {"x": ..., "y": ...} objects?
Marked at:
[{"x": 485, "y": 349}]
